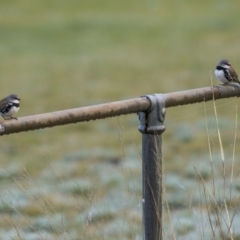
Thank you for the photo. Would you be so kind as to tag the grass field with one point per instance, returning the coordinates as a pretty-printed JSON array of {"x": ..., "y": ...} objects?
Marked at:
[{"x": 65, "y": 54}]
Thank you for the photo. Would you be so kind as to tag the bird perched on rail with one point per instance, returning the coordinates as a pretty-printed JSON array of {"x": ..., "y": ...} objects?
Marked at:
[
  {"x": 225, "y": 72},
  {"x": 9, "y": 106}
]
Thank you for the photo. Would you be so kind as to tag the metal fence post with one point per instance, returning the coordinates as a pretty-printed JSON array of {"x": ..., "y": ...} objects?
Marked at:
[{"x": 151, "y": 127}]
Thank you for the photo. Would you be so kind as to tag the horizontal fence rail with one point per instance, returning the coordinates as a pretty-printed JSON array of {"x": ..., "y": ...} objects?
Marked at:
[{"x": 115, "y": 109}]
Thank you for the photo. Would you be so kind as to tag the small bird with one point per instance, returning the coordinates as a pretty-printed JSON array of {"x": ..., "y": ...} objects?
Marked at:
[
  {"x": 9, "y": 105},
  {"x": 225, "y": 73}
]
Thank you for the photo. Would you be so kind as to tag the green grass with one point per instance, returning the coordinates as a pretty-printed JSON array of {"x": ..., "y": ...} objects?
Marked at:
[{"x": 65, "y": 54}]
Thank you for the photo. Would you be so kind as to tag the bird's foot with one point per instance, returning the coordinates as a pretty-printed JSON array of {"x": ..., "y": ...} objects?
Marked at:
[
  {"x": 9, "y": 118},
  {"x": 13, "y": 118}
]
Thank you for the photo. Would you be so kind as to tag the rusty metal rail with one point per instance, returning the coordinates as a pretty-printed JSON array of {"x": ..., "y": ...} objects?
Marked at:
[{"x": 115, "y": 109}]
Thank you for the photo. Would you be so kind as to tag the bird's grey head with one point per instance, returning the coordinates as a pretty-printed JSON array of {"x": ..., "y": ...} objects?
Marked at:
[
  {"x": 224, "y": 63},
  {"x": 13, "y": 97}
]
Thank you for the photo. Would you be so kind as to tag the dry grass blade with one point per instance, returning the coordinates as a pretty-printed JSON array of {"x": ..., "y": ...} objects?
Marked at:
[
  {"x": 234, "y": 144},
  {"x": 209, "y": 149},
  {"x": 220, "y": 141}
]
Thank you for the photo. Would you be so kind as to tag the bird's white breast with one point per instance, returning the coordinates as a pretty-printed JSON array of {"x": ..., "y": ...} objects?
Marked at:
[
  {"x": 220, "y": 75},
  {"x": 13, "y": 109}
]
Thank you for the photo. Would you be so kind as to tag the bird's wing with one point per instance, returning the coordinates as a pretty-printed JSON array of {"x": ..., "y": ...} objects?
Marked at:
[
  {"x": 233, "y": 75},
  {"x": 5, "y": 105}
]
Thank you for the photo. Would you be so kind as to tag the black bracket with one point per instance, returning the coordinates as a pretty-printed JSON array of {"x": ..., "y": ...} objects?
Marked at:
[{"x": 151, "y": 121}]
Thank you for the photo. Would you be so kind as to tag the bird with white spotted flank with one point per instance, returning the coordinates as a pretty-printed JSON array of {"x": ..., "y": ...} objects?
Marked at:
[
  {"x": 225, "y": 72},
  {"x": 9, "y": 106}
]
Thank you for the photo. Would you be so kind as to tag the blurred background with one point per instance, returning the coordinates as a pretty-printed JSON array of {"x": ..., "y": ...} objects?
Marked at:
[{"x": 83, "y": 181}]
